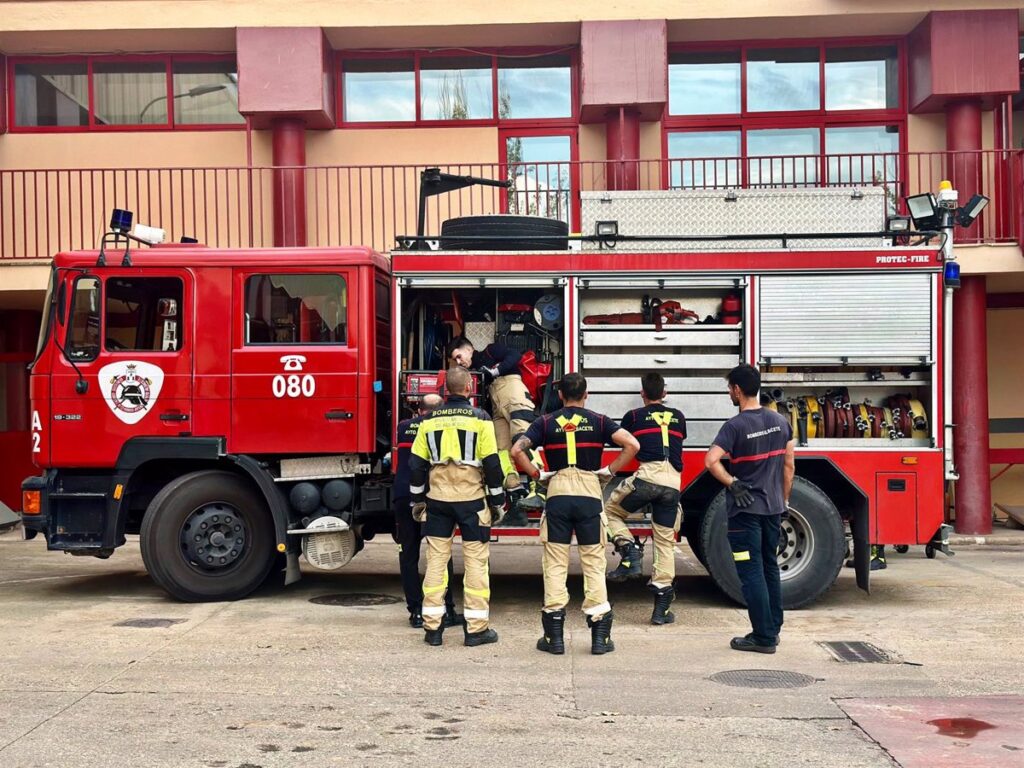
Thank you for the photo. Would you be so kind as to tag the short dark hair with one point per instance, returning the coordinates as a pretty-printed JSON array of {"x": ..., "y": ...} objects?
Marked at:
[
  {"x": 456, "y": 380},
  {"x": 653, "y": 384},
  {"x": 747, "y": 378},
  {"x": 458, "y": 343},
  {"x": 573, "y": 386}
]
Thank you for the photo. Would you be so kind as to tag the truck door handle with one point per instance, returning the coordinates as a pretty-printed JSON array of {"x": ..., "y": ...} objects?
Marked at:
[
  {"x": 661, "y": 359},
  {"x": 173, "y": 416},
  {"x": 336, "y": 415},
  {"x": 660, "y": 336}
]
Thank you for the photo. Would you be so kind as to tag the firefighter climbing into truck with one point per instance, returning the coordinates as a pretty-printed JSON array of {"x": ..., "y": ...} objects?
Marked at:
[{"x": 273, "y": 379}]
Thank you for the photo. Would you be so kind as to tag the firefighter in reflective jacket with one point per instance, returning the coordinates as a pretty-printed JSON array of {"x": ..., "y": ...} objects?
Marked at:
[
  {"x": 573, "y": 439},
  {"x": 660, "y": 431},
  {"x": 511, "y": 406},
  {"x": 456, "y": 479}
]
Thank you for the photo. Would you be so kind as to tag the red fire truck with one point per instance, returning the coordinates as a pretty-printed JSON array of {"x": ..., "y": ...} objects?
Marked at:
[{"x": 236, "y": 408}]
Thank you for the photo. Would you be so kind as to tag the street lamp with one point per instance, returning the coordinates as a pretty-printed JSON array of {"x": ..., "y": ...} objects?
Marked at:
[{"x": 199, "y": 90}]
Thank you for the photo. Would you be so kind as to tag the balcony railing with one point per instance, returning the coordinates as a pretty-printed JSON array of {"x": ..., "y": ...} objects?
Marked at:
[{"x": 48, "y": 210}]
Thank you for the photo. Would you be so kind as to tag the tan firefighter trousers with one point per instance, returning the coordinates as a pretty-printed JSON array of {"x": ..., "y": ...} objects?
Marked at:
[
  {"x": 574, "y": 507},
  {"x": 474, "y": 521},
  {"x": 655, "y": 483},
  {"x": 513, "y": 412}
]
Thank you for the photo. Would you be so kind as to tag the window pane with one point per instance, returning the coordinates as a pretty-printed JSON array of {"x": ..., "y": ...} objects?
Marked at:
[
  {"x": 799, "y": 166},
  {"x": 379, "y": 90},
  {"x": 51, "y": 94},
  {"x": 143, "y": 314},
  {"x": 538, "y": 167},
  {"x": 456, "y": 88},
  {"x": 692, "y": 159},
  {"x": 83, "y": 341},
  {"x": 130, "y": 93},
  {"x": 295, "y": 309},
  {"x": 783, "y": 79},
  {"x": 861, "y": 78},
  {"x": 863, "y": 155},
  {"x": 205, "y": 93},
  {"x": 704, "y": 83},
  {"x": 539, "y": 86}
]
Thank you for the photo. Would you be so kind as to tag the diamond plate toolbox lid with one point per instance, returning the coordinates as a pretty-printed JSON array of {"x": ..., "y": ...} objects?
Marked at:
[{"x": 690, "y": 212}]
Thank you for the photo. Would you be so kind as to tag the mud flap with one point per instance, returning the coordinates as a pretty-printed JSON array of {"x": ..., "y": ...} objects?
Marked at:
[{"x": 860, "y": 527}]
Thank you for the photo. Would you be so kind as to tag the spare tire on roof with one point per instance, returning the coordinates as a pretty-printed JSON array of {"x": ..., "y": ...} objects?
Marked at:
[{"x": 504, "y": 232}]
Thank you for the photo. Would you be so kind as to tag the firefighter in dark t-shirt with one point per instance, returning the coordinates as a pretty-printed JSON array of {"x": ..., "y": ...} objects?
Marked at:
[
  {"x": 758, "y": 444},
  {"x": 573, "y": 439}
]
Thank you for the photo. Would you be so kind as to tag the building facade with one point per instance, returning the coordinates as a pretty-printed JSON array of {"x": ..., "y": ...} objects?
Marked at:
[{"x": 266, "y": 123}]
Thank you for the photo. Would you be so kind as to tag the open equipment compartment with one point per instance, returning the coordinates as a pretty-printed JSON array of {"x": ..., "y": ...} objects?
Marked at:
[
  {"x": 850, "y": 358},
  {"x": 527, "y": 315},
  {"x": 693, "y": 344}
]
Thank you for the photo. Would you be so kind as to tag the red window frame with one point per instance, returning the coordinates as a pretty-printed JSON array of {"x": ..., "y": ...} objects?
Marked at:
[
  {"x": 168, "y": 60},
  {"x": 494, "y": 53},
  {"x": 507, "y": 132},
  {"x": 820, "y": 118}
]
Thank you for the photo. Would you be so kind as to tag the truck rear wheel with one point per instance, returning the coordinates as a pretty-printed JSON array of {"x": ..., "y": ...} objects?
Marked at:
[
  {"x": 208, "y": 536},
  {"x": 811, "y": 550},
  {"x": 504, "y": 232}
]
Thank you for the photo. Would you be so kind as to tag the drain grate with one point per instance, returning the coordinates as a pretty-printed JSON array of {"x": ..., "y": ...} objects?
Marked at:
[
  {"x": 149, "y": 623},
  {"x": 355, "y": 600},
  {"x": 857, "y": 652},
  {"x": 762, "y": 678}
]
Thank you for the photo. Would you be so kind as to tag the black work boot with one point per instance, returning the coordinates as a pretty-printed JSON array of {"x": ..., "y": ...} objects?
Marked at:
[
  {"x": 416, "y": 619},
  {"x": 483, "y": 637},
  {"x": 631, "y": 566},
  {"x": 601, "y": 634},
  {"x": 663, "y": 598},
  {"x": 433, "y": 636},
  {"x": 554, "y": 637},
  {"x": 748, "y": 643},
  {"x": 451, "y": 618}
]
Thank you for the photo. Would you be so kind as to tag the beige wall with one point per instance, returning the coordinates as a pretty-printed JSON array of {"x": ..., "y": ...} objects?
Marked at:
[{"x": 1005, "y": 373}]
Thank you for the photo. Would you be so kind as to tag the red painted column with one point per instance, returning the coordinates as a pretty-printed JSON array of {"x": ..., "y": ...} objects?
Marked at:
[
  {"x": 21, "y": 328},
  {"x": 622, "y": 132},
  {"x": 970, "y": 343},
  {"x": 970, "y": 408},
  {"x": 289, "y": 149},
  {"x": 963, "y": 135}
]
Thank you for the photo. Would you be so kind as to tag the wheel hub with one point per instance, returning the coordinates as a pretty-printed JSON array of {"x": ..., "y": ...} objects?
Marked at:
[
  {"x": 796, "y": 544},
  {"x": 213, "y": 536}
]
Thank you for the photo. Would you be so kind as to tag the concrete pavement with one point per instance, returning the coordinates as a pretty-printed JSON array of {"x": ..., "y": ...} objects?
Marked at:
[{"x": 275, "y": 680}]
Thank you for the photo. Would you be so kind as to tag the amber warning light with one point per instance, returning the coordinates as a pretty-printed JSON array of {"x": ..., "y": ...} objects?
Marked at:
[{"x": 31, "y": 502}]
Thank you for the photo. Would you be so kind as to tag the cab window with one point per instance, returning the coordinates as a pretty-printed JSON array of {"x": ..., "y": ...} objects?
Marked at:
[
  {"x": 84, "y": 328},
  {"x": 296, "y": 309},
  {"x": 143, "y": 314}
]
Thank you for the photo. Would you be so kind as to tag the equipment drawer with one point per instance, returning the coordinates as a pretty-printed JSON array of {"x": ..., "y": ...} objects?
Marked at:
[
  {"x": 638, "y": 362},
  {"x": 667, "y": 337},
  {"x": 693, "y": 406}
]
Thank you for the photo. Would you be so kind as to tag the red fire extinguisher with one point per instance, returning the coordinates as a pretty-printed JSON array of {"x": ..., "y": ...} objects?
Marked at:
[{"x": 731, "y": 310}]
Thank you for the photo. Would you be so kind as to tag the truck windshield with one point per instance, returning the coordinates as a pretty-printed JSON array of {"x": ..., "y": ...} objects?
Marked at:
[{"x": 48, "y": 312}]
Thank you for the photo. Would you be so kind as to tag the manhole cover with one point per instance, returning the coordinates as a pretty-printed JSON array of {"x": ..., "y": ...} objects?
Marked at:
[
  {"x": 149, "y": 623},
  {"x": 858, "y": 652},
  {"x": 761, "y": 678},
  {"x": 355, "y": 599}
]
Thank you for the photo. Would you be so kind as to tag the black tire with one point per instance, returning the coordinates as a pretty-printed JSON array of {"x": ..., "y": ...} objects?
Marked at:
[
  {"x": 902, "y": 548},
  {"x": 179, "y": 502},
  {"x": 811, "y": 573},
  {"x": 691, "y": 530},
  {"x": 504, "y": 232},
  {"x": 929, "y": 551}
]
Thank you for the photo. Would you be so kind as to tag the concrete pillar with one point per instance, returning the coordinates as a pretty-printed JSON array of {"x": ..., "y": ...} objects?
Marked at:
[
  {"x": 622, "y": 131},
  {"x": 289, "y": 149},
  {"x": 970, "y": 408},
  {"x": 20, "y": 330}
]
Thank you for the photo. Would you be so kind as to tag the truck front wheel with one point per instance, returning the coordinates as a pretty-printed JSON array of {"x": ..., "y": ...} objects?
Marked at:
[
  {"x": 208, "y": 536},
  {"x": 811, "y": 548}
]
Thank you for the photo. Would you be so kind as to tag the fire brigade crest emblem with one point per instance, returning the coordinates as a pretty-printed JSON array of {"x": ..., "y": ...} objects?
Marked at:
[{"x": 130, "y": 388}]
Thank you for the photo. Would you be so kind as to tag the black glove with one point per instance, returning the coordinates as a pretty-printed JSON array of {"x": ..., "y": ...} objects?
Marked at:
[
  {"x": 741, "y": 494},
  {"x": 488, "y": 374}
]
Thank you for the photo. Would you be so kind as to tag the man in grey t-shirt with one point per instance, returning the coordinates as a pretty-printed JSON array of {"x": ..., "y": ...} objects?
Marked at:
[{"x": 758, "y": 444}]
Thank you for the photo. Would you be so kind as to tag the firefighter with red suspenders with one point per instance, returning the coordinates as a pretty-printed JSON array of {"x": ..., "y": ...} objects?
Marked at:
[
  {"x": 573, "y": 439},
  {"x": 660, "y": 431}
]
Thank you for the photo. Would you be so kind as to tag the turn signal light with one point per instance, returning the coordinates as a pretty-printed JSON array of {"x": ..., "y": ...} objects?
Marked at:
[
  {"x": 909, "y": 460},
  {"x": 31, "y": 502}
]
